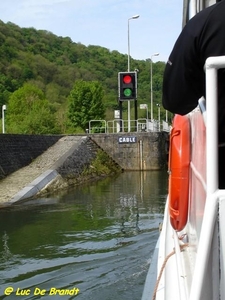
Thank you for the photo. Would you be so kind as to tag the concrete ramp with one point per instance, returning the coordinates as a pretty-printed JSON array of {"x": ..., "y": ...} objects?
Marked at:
[{"x": 29, "y": 180}]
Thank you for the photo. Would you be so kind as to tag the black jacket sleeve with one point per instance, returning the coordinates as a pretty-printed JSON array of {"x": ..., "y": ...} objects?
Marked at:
[
  {"x": 183, "y": 82},
  {"x": 184, "y": 76}
]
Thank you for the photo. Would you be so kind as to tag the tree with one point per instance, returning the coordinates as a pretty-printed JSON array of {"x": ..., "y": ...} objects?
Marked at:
[
  {"x": 28, "y": 112},
  {"x": 85, "y": 103},
  {"x": 35, "y": 56}
]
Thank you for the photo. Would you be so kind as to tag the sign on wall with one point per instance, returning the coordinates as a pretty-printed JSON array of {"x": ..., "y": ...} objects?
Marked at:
[{"x": 127, "y": 139}]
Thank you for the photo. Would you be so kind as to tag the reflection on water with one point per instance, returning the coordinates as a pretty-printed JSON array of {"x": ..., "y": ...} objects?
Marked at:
[{"x": 97, "y": 238}]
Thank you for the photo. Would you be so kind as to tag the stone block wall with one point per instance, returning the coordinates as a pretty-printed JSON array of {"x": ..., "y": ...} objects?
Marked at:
[
  {"x": 17, "y": 151},
  {"x": 131, "y": 151},
  {"x": 136, "y": 151},
  {"x": 78, "y": 158}
]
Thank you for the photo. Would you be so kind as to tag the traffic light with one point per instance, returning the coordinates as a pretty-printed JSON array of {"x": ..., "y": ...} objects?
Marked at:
[{"x": 127, "y": 85}]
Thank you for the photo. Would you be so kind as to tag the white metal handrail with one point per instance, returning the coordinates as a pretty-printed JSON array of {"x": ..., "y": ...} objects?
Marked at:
[
  {"x": 120, "y": 125},
  {"x": 213, "y": 193}
]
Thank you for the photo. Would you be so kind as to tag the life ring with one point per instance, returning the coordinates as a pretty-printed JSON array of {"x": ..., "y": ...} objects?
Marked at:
[{"x": 179, "y": 161}]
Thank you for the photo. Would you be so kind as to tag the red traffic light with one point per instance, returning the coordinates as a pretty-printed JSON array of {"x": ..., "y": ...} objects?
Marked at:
[{"x": 127, "y": 79}]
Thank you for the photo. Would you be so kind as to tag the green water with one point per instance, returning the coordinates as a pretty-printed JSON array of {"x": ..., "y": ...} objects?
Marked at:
[{"x": 92, "y": 242}]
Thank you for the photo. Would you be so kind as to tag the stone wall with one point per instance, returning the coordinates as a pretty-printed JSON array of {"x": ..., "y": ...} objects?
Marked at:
[
  {"x": 75, "y": 166},
  {"x": 79, "y": 157},
  {"x": 131, "y": 151},
  {"x": 17, "y": 151},
  {"x": 136, "y": 151}
]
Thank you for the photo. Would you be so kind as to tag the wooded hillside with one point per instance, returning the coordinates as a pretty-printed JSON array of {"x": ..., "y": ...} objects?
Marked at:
[{"x": 53, "y": 64}]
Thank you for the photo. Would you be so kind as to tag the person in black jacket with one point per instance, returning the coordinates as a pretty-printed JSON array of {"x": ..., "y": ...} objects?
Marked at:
[{"x": 184, "y": 78}]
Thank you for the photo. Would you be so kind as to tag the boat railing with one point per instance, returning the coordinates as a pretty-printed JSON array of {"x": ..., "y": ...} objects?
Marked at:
[
  {"x": 200, "y": 266},
  {"x": 213, "y": 193}
]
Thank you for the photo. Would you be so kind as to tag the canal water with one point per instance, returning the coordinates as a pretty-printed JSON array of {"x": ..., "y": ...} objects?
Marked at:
[{"x": 93, "y": 242}]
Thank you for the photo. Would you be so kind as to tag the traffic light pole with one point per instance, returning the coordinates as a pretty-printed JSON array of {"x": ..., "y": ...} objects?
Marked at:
[
  {"x": 121, "y": 116},
  {"x": 128, "y": 65},
  {"x": 135, "y": 114},
  {"x": 128, "y": 69}
]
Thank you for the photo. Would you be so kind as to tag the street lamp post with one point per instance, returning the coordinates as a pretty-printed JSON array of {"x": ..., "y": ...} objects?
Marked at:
[
  {"x": 3, "y": 118},
  {"x": 155, "y": 54},
  {"x": 158, "y": 114},
  {"x": 128, "y": 65}
]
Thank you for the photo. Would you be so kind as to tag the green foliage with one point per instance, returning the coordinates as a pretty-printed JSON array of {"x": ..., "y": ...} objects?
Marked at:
[
  {"x": 54, "y": 63},
  {"x": 102, "y": 165},
  {"x": 85, "y": 103},
  {"x": 28, "y": 112}
]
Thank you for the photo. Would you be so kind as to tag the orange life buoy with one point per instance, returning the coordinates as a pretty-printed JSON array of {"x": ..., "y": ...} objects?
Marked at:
[{"x": 179, "y": 161}]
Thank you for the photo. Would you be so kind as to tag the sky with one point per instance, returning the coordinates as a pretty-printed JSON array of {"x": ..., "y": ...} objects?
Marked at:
[{"x": 104, "y": 22}]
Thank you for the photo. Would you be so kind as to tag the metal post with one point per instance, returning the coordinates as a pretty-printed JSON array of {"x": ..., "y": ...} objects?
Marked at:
[
  {"x": 128, "y": 57},
  {"x": 147, "y": 117},
  {"x": 155, "y": 54},
  {"x": 159, "y": 118},
  {"x": 121, "y": 116},
  {"x": 211, "y": 66},
  {"x": 158, "y": 114},
  {"x": 128, "y": 67},
  {"x": 3, "y": 118},
  {"x": 151, "y": 94}
]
